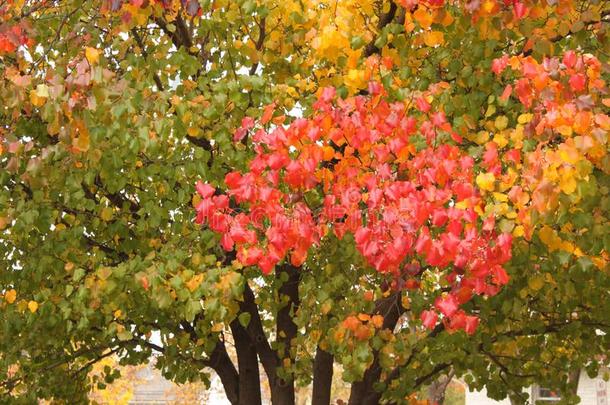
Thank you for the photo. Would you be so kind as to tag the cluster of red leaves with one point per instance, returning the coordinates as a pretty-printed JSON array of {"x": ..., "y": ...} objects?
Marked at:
[
  {"x": 358, "y": 156},
  {"x": 12, "y": 37},
  {"x": 569, "y": 100}
]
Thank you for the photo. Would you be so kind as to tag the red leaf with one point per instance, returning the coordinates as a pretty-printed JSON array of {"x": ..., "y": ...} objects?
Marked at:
[
  {"x": 506, "y": 93},
  {"x": 471, "y": 324},
  {"x": 429, "y": 319},
  {"x": 520, "y": 10},
  {"x": 204, "y": 189},
  {"x": 422, "y": 104},
  {"x": 498, "y": 65},
  {"x": 447, "y": 305},
  {"x": 268, "y": 113},
  {"x": 578, "y": 82},
  {"x": 569, "y": 59}
]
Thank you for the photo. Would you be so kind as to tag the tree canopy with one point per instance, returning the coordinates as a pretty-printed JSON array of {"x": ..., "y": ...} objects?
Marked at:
[{"x": 408, "y": 189}]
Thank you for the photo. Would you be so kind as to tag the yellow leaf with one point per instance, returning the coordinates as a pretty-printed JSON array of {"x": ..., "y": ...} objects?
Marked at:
[
  {"x": 535, "y": 283},
  {"x": 106, "y": 214},
  {"x": 500, "y": 140},
  {"x": 488, "y": 6},
  {"x": 423, "y": 17},
  {"x": 486, "y": 181},
  {"x": 36, "y": 100},
  {"x": 565, "y": 130},
  {"x": 518, "y": 231},
  {"x": 500, "y": 197},
  {"x": 491, "y": 110},
  {"x": 355, "y": 79},
  {"x": 434, "y": 38},
  {"x": 525, "y": 118},
  {"x": 42, "y": 90},
  {"x": 10, "y": 296},
  {"x": 549, "y": 237},
  {"x": 501, "y": 122},
  {"x": 32, "y": 306},
  {"x": 194, "y": 282},
  {"x": 92, "y": 55},
  {"x": 192, "y": 131},
  {"x": 567, "y": 183}
]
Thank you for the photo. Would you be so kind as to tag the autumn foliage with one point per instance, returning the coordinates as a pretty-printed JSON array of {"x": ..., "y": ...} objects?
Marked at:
[
  {"x": 407, "y": 191},
  {"x": 367, "y": 167}
]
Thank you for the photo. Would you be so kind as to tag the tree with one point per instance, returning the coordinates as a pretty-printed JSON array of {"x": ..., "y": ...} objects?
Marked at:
[{"x": 440, "y": 208}]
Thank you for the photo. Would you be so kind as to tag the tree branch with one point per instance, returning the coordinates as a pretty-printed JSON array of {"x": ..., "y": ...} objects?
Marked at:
[
  {"x": 384, "y": 20},
  {"x": 362, "y": 392}
]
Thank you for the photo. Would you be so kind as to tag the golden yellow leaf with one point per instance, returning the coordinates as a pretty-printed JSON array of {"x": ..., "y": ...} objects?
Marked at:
[
  {"x": 194, "y": 282},
  {"x": 500, "y": 140},
  {"x": 518, "y": 231},
  {"x": 423, "y": 17},
  {"x": 567, "y": 184},
  {"x": 525, "y": 118},
  {"x": 550, "y": 238},
  {"x": 36, "y": 100},
  {"x": 192, "y": 131},
  {"x": 434, "y": 38},
  {"x": 33, "y": 306},
  {"x": 486, "y": 181},
  {"x": 10, "y": 296},
  {"x": 92, "y": 55}
]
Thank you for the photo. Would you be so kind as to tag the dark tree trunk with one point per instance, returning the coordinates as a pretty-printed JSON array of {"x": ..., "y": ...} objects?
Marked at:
[
  {"x": 221, "y": 363},
  {"x": 282, "y": 389},
  {"x": 322, "y": 377},
  {"x": 362, "y": 392},
  {"x": 247, "y": 363}
]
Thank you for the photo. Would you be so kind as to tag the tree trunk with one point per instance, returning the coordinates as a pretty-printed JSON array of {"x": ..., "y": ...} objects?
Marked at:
[
  {"x": 573, "y": 378},
  {"x": 221, "y": 363},
  {"x": 322, "y": 377},
  {"x": 282, "y": 389},
  {"x": 247, "y": 364},
  {"x": 362, "y": 392}
]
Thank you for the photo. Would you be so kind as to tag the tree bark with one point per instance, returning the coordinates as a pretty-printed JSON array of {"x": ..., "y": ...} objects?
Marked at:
[
  {"x": 221, "y": 363},
  {"x": 322, "y": 377},
  {"x": 362, "y": 392},
  {"x": 257, "y": 334},
  {"x": 247, "y": 363},
  {"x": 438, "y": 388},
  {"x": 573, "y": 378},
  {"x": 282, "y": 389}
]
